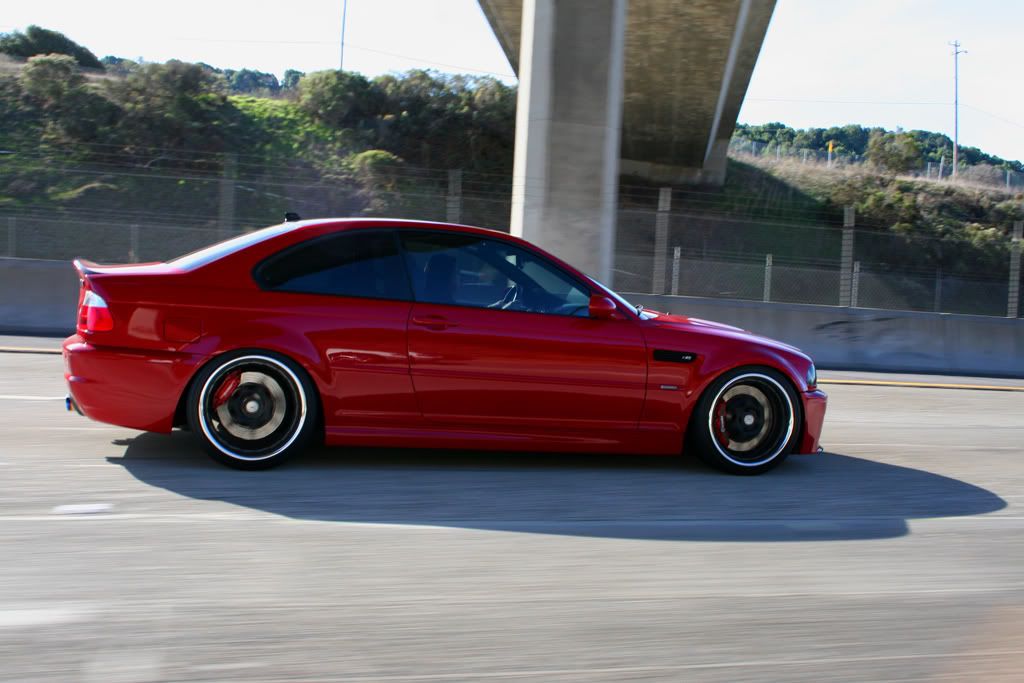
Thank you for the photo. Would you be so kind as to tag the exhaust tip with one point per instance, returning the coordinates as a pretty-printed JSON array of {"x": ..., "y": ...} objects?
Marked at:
[{"x": 69, "y": 405}]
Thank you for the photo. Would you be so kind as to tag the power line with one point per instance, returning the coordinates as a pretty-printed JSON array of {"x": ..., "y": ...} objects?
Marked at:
[
  {"x": 350, "y": 46},
  {"x": 995, "y": 116},
  {"x": 821, "y": 101}
]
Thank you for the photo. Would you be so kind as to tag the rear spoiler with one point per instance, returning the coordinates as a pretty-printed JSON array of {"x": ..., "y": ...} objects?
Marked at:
[{"x": 85, "y": 267}]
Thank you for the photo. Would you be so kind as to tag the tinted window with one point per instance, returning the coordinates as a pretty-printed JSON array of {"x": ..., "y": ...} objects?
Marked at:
[
  {"x": 467, "y": 270},
  {"x": 362, "y": 264},
  {"x": 213, "y": 252}
]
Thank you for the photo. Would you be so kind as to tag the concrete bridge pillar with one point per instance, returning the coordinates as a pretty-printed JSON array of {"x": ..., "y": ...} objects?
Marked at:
[{"x": 568, "y": 128}]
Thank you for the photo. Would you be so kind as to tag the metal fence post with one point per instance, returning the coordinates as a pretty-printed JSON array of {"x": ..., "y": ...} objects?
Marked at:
[
  {"x": 226, "y": 212},
  {"x": 676, "y": 254},
  {"x": 453, "y": 200},
  {"x": 1013, "y": 297},
  {"x": 846, "y": 257},
  {"x": 12, "y": 236},
  {"x": 937, "y": 304},
  {"x": 133, "y": 248},
  {"x": 855, "y": 285},
  {"x": 661, "y": 239},
  {"x": 768, "y": 277}
]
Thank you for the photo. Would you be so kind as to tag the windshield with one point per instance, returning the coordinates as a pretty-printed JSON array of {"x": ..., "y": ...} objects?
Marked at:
[{"x": 213, "y": 252}]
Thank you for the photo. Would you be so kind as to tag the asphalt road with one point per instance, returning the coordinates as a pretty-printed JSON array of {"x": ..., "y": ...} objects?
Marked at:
[{"x": 898, "y": 555}]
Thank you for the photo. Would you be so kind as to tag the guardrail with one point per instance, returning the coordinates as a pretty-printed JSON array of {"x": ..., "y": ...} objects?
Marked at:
[
  {"x": 843, "y": 338},
  {"x": 39, "y": 297}
]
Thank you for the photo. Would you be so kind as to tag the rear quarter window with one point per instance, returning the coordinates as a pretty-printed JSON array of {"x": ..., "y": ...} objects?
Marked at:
[
  {"x": 356, "y": 264},
  {"x": 207, "y": 255}
]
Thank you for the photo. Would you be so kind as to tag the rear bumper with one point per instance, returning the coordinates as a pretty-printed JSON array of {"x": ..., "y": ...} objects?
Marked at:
[
  {"x": 135, "y": 389},
  {"x": 815, "y": 403}
]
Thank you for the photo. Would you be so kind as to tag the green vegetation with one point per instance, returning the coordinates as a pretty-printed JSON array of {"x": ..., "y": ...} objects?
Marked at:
[
  {"x": 41, "y": 41},
  {"x": 72, "y": 140},
  {"x": 855, "y": 141},
  {"x": 915, "y": 223},
  {"x": 157, "y": 139}
]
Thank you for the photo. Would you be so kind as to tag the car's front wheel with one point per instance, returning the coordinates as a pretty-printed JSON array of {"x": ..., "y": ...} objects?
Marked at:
[
  {"x": 747, "y": 421},
  {"x": 253, "y": 409}
]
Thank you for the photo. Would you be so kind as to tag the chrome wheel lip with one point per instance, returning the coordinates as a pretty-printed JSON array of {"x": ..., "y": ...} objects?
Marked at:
[
  {"x": 782, "y": 442},
  {"x": 241, "y": 360}
]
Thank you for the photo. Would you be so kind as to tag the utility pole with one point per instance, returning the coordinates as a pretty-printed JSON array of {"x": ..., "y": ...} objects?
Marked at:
[
  {"x": 956, "y": 104},
  {"x": 344, "y": 16}
]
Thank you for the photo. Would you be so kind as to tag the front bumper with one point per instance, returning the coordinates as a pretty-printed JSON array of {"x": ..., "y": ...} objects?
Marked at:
[
  {"x": 815, "y": 403},
  {"x": 125, "y": 387}
]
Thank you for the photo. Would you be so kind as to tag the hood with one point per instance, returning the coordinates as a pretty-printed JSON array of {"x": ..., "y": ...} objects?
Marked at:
[
  {"x": 670, "y": 320},
  {"x": 710, "y": 327}
]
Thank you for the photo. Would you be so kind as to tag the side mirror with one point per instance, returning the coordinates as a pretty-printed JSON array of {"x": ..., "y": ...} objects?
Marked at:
[{"x": 601, "y": 307}]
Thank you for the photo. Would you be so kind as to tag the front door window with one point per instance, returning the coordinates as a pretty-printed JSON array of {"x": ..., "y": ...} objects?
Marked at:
[{"x": 470, "y": 270}]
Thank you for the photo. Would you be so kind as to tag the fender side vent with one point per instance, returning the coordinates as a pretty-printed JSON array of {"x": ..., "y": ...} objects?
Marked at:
[{"x": 674, "y": 356}]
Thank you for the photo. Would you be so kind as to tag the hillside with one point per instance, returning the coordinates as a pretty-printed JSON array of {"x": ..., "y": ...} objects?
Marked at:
[{"x": 155, "y": 143}]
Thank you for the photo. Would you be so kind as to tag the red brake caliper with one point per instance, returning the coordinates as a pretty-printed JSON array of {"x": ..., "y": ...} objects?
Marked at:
[
  {"x": 720, "y": 433},
  {"x": 227, "y": 387}
]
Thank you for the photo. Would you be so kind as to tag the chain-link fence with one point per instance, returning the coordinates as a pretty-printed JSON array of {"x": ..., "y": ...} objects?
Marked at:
[
  {"x": 986, "y": 175},
  {"x": 703, "y": 248},
  {"x": 835, "y": 265}
]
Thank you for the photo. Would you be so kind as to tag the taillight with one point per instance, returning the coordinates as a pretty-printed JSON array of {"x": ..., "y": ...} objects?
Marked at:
[{"x": 93, "y": 314}]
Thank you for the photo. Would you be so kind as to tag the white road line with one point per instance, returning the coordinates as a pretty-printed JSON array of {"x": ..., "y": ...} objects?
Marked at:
[
  {"x": 230, "y": 666},
  {"x": 82, "y": 509},
  {"x": 29, "y": 349},
  {"x": 523, "y": 525},
  {"x": 625, "y": 670},
  {"x": 23, "y": 617},
  {"x": 72, "y": 429},
  {"x": 884, "y": 444},
  {"x": 19, "y": 397}
]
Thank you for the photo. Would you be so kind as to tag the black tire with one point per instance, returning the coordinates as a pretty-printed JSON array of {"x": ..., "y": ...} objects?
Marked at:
[
  {"x": 253, "y": 409},
  {"x": 747, "y": 421}
]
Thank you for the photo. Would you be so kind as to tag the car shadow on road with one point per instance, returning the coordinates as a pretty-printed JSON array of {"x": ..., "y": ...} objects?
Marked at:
[{"x": 824, "y": 497}]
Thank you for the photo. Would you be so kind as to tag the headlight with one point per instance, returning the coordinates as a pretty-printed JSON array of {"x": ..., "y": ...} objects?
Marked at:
[{"x": 812, "y": 377}]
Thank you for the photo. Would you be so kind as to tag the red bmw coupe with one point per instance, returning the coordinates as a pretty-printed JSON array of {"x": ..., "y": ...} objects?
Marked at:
[{"x": 407, "y": 333}]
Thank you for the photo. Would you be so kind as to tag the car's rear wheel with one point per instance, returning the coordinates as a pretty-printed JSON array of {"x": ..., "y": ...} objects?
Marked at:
[
  {"x": 747, "y": 421},
  {"x": 253, "y": 409}
]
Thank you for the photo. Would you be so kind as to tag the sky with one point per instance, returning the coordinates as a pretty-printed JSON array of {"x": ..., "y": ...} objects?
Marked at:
[{"x": 824, "y": 62}]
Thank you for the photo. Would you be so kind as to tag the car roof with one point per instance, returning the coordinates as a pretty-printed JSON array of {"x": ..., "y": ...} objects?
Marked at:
[
  {"x": 273, "y": 233},
  {"x": 353, "y": 223}
]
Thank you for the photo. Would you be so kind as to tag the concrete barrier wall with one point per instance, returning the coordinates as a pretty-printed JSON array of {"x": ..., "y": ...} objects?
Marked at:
[
  {"x": 870, "y": 339},
  {"x": 37, "y": 297},
  {"x": 40, "y": 297}
]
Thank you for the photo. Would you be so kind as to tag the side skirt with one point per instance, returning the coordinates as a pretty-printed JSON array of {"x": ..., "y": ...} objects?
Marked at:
[{"x": 637, "y": 442}]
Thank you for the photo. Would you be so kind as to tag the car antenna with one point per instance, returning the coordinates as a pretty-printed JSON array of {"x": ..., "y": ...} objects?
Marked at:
[{"x": 291, "y": 217}]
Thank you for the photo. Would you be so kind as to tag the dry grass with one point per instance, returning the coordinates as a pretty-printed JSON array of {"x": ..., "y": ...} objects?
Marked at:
[{"x": 819, "y": 174}]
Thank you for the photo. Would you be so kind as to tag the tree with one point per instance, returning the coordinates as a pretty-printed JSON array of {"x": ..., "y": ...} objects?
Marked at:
[
  {"x": 250, "y": 81},
  {"x": 41, "y": 41},
  {"x": 55, "y": 88},
  {"x": 51, "y": 79},
  {"x": 173, "y": 105},
  {"x": 339, "y": 98},
  {"x": 119, "y": 66},
  {"x": 894, "y": 152},
  {"x": 291, "y": 78}
]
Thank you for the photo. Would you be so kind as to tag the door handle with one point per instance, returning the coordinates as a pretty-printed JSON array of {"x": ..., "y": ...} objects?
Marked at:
[{"x": 433, "y": 322}]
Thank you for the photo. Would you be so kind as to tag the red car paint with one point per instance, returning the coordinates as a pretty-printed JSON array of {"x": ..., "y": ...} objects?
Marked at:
[{"x": 406, "y": 373}]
